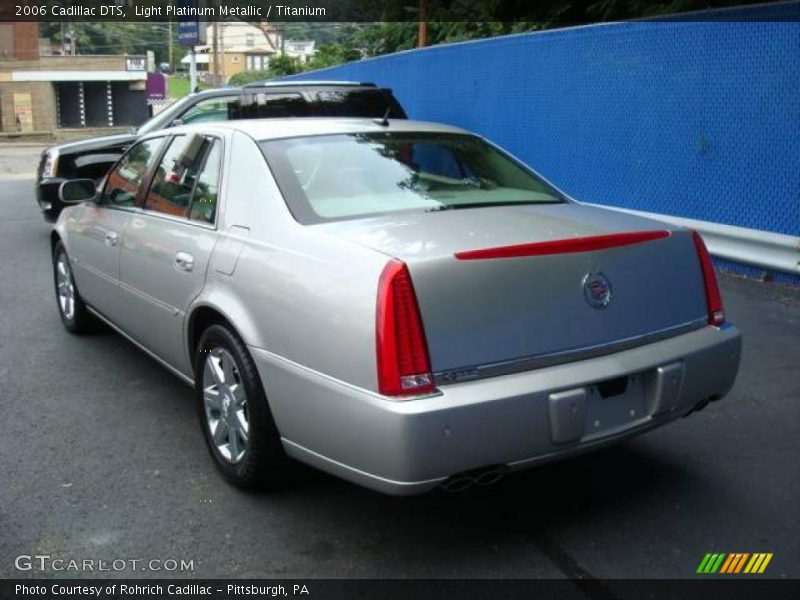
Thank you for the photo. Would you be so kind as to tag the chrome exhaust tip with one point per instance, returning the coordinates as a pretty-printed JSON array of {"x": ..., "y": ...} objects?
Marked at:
[
  {"x": 461, "y": 482},
  {"x": 489, "y": 478},
  {"x": 701, "y": 405}
]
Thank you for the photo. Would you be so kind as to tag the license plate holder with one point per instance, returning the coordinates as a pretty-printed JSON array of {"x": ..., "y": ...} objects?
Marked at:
[{"x": 615, "y": 405}]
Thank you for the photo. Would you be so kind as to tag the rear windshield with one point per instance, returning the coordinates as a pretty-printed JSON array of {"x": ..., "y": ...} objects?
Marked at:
[{"x": 346, "y": 176}]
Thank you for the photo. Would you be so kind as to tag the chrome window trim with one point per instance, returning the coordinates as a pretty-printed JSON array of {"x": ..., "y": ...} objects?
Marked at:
[
  {"x": 173, "y": 218},
  {"x": 135, "y": 210}
]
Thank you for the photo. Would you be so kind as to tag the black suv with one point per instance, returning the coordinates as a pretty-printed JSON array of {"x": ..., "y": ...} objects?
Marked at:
[{"x": 93, "y": 157}]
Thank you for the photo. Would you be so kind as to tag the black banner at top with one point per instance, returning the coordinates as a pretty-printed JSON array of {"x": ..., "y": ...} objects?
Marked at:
[{"x": 543, "y": 11}]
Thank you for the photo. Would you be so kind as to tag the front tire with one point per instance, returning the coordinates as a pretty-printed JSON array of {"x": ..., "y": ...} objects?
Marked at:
[
  {"x": 237, "y": 423},
  {"x": 71, "y": 307}
]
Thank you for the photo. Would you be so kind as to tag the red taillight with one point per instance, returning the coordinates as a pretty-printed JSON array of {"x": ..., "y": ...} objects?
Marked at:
[
  {"x": 716, "y": 314},
  {"x": 403, "y": 364}
]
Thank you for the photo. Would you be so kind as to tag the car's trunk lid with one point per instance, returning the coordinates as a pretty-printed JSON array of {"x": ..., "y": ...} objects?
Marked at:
[{"x": 484, "y": 315}]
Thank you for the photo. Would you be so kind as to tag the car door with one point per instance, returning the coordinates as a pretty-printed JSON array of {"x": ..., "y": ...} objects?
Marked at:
[
  {"x": 166, "y": 247},
  {"x": 98, "y": 227}
]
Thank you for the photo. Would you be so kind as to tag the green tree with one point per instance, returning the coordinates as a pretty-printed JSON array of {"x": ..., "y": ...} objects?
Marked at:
[
  {"x": 283, "y": 64},
  {"x": 245, "y": 77},
  {"x": 331, "y": 55},
  {"x": 279, "y": 66},
  {"x": 116, "y": 38},
  {"x": 459, "y": 20}
]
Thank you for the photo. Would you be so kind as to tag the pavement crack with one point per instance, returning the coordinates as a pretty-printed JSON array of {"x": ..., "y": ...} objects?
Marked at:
[{"x": 586, "y": 582}]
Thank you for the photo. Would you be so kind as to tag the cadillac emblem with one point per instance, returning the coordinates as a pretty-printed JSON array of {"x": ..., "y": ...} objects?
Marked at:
[{"x": 596, "y": 289}]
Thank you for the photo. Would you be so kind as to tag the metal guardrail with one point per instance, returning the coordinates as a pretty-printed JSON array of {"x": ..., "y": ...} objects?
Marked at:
[{"x": 773, "y": 251}]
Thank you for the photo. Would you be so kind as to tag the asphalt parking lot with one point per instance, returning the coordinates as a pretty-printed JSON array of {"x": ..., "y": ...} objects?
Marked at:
[{"x": 101, "y": 457}]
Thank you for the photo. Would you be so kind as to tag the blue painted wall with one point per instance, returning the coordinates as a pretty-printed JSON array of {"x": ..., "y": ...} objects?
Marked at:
[{"x": 695, "y": 119}]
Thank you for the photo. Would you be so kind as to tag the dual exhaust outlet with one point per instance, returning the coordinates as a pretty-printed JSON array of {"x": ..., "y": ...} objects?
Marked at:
[
  {"x": 701, "y": 405},
  {"x": 461, "y": 482},
  {"x": 480, "y": 478}
]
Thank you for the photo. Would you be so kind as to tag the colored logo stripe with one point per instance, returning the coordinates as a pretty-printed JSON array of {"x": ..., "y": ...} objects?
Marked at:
[
  {"x": 710, "y": 563},
  {"x": 758, "y": 563},
  {"x": 734, "y": 563}
]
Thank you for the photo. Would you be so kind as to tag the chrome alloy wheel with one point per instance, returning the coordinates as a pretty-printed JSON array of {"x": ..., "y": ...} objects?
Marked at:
[
  {"x": 65, "y": 288},
  {"x": 225, "y": 404}
]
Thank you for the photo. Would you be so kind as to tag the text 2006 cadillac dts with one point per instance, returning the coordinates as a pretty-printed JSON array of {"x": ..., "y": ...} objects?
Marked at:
[{"x": 399, "y": 303}]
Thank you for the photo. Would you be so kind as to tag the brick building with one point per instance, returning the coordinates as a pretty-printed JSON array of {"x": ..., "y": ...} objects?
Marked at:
[{"x": 56, "y": 95}]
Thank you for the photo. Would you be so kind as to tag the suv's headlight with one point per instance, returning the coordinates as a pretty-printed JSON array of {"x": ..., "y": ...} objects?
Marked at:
[{"x": 49, "y": 164}]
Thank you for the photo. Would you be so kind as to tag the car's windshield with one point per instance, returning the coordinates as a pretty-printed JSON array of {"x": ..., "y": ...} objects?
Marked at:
[{"x": 332, "y": 177}]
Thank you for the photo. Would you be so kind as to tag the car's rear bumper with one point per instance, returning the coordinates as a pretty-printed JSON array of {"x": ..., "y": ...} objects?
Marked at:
[{"x": 512, "y": 421}]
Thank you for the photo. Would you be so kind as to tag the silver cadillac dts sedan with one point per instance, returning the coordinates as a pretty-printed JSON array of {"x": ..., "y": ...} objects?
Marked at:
[{"x": 401, "y": 304}]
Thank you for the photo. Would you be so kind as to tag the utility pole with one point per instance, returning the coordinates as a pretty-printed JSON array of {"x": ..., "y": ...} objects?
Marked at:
[
  {"x": 215, "y": 50},
  {"x": 169, "y": 48},
  {"x": 192, "y": 70},
  {"x": 222, "y": 59},
  {"x": 422, "y": 34}
]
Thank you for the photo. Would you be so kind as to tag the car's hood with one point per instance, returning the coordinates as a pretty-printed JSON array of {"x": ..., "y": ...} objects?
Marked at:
[
  {"x": 95, "y": 143},
  {"x": 420, "y": 236}
]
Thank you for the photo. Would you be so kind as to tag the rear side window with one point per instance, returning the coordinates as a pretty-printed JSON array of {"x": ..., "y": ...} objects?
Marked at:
[
  {"x": 186, "y": 181},
  {"x": 206, "y": 192},
  {"x": 262, "y": 105},
  {"x": 359, "y": 103}
]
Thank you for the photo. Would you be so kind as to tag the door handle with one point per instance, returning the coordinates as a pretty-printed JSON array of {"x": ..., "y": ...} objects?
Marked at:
[
  {"x": 112, "y": 237},
  {"x": 184, "y": 261}
]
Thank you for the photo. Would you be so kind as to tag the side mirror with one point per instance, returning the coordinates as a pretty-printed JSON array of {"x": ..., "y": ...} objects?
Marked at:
[
  {"x": 76, "y": 191},
  {"x": 176, "y": 123}
]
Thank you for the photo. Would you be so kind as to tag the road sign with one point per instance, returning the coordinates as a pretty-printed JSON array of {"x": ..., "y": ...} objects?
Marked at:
[{"x": 190, "y": 31}]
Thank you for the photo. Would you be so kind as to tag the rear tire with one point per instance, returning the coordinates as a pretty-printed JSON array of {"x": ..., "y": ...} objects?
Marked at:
[
  {"x": 71, "y": 307},
  {"x": 237, "y": 423}
]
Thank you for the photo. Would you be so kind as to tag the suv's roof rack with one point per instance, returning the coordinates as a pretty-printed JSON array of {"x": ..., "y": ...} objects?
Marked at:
[{"x": 308, "y": 82}]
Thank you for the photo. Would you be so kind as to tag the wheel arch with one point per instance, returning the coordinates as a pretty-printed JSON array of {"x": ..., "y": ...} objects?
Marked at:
[
  {"x": 202, "y": 316},
  {"x": 200, "y": 319}
]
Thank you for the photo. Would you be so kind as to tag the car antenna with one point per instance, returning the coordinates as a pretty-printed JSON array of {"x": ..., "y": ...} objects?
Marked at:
[{"x": 384, "y": 121}]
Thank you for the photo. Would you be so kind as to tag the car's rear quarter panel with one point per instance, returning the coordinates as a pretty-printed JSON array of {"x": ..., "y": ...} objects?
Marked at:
[{"x": 292, "y": 290}]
